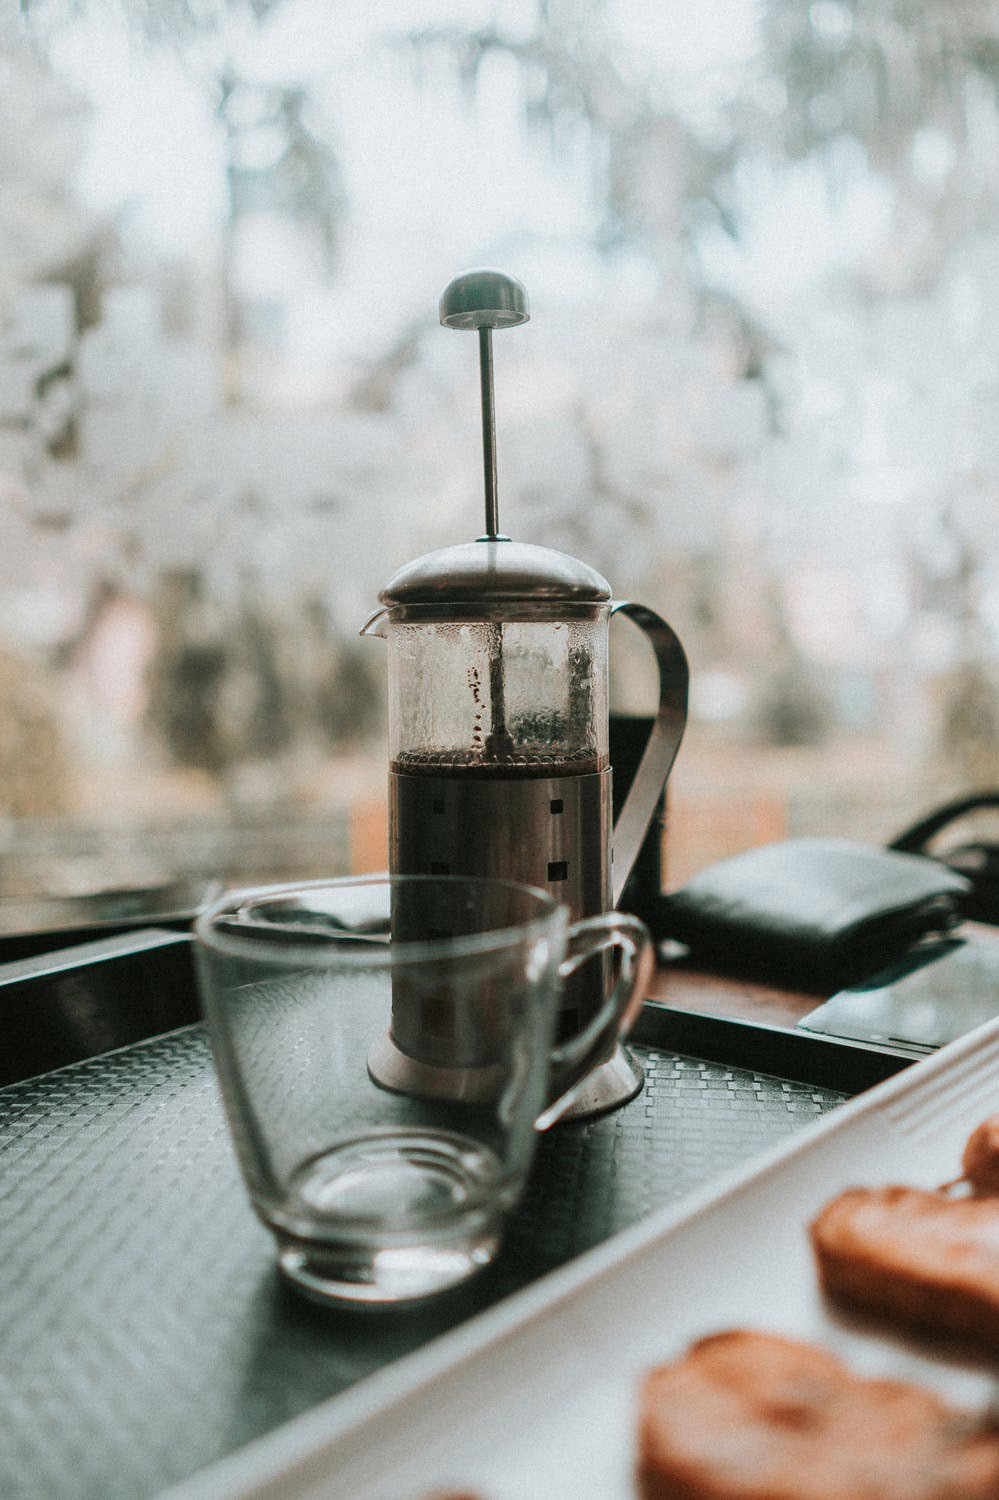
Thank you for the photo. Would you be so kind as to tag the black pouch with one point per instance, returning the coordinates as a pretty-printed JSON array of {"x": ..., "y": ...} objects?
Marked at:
[{"x": 812, "y": 914}]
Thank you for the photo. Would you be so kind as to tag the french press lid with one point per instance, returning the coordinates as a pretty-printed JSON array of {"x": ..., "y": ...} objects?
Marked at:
[{"x": 491, "y": 571}]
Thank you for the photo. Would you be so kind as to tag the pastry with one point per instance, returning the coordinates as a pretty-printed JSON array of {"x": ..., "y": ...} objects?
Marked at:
[
  {"x": 980, "y": 1162},
  {"x": 920, "y": 1258},
  {"x": 754, "y": 1416}
]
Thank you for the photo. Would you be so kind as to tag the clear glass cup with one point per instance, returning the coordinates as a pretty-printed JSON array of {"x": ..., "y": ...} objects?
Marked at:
[{"x": 379, "y": 1195}]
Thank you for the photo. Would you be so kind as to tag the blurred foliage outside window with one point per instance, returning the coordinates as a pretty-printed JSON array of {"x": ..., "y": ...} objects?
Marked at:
[{"x": 760, "y": 391}]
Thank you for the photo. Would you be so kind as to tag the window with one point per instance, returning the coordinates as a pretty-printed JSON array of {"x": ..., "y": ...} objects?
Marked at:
[{"x": 759, "y": 392}]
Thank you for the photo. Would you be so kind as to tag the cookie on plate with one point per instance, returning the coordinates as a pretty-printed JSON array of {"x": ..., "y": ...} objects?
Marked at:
[{"x": 755, "y": 1416}]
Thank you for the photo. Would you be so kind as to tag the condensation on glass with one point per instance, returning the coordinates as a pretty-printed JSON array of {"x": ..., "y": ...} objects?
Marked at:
[{"x": 524, "y": 696}]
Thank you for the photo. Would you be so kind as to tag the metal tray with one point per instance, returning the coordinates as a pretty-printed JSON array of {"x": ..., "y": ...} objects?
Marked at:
[
  {"x": 40, "y": 924},
  {"x": 538, "y": 1397},
  {"x": 146, "y": 1335}
]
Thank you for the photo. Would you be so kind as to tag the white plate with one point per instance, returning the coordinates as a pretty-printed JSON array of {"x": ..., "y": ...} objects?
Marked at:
[{"x": 537, "y": 1396}]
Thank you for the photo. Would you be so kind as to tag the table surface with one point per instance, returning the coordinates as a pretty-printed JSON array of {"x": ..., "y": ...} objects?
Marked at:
[
  {"x": 686, "y": 988},
  {"x": 677, "y": 983}
]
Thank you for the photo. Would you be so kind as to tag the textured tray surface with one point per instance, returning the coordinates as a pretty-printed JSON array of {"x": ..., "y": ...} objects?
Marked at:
[{"x": 145, "y": 1330}]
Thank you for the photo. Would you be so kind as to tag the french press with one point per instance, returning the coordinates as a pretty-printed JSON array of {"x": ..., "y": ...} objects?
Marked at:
[{"x": 498, "y": 724}]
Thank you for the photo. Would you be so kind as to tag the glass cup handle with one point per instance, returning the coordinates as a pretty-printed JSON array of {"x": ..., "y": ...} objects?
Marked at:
[{"x": 574, "y": 1060}]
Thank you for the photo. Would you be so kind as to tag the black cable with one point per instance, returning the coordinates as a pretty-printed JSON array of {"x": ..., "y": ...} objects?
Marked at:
[
  {"x": 977, "y": 861},
  {"x": 914, "y": 840}
]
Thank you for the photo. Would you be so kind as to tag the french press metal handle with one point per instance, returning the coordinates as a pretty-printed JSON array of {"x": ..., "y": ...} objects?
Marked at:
[{"x": 660, "y": 750}]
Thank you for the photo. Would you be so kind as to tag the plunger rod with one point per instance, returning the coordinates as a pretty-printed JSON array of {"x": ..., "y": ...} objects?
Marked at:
[
  {"x": 485, "y": 299},
  {"x": 488, "y": 430},
  {"x": 498, "y": 740}
]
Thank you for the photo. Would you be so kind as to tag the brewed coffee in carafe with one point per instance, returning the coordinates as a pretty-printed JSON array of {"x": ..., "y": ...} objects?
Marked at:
[{"x": 498, "y": 722}]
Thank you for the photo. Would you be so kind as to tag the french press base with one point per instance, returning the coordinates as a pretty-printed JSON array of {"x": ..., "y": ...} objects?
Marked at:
[{"x": 610, "y": 1084}]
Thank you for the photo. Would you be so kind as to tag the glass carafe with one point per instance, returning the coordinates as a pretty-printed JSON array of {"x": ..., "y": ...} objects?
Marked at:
[{"x": 498, "y": 734}]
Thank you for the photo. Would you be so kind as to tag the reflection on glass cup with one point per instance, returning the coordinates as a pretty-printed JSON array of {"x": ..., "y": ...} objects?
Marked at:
[{"x": 385, "y": 1193}]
